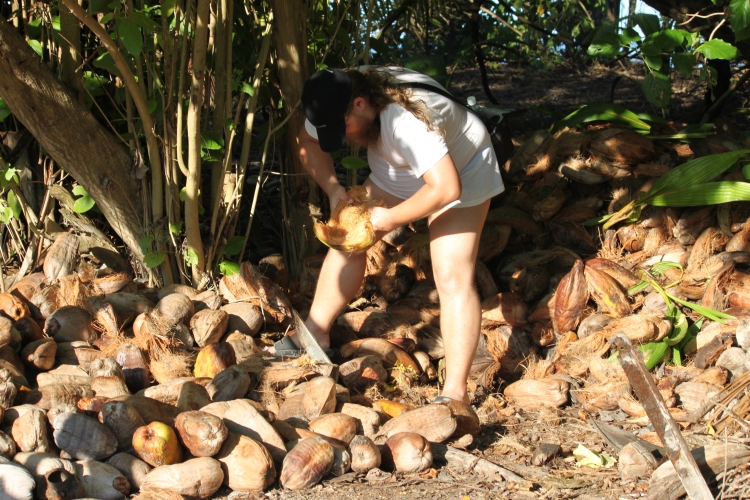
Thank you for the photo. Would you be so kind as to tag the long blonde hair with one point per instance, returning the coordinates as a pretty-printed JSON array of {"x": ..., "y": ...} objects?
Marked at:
[{"x": 380, "y": 90}]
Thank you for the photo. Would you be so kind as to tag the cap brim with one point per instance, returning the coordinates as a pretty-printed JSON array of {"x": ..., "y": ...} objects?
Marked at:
[{"x": 332, "y": 137}]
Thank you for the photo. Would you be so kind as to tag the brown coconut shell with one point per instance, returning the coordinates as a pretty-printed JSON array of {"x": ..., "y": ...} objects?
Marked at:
[
  {"x": 106, "y": 367},
  {"x": 243, "y": 317},
  {"x": 505, "y": 308},
  {"x": 29, "y": 329},
  {"x": 530, "y": 394},
  {"x": 232, "y": 383},
  {"x": 123, "y": 420},
  {"x": 176, "y": 308},
  {"x": 84, "y": 438},
  {"x": 29, "y": 431},
  {"x": 607, "y": 293},
  {"x": 242, "y": 417},
  {"x": 13, "y": 307},
  {"x": 247, "y": 465},
  {"x": 134, "y": 469},
  {"x": 40, "y": 354},
  {"x": 320, "y": 397},
  {"x": 102, "y": 481},
  {"x": 134, "y": 367},
  {"x": 62, "y": 256},
  {"x": 410, "y": 452},
  {"x": 389, "y": 353},
  {"x": 151, "y": 410},
  {"x": 362, "y": 372},
  {"x": 53, "y": 395},
  {"x": 214, "y": 359},
  {"x": 129, "y": 303},
  {"x": 335, "y": 425},
  {"x": 434, "y": 422},
  {"x": 109, "y": 387},
  {"x": 622, "y": 146},
  {"x": 307, "y": 463},
  {"x": 70, "y": 323},
  {"x": 570, "y": 299},
  {"x": 208, "y": 326},
  {"x": 195, "y": 478},
  {"x": 365, "y": 454},
  {"x": 201, "y": 433}
]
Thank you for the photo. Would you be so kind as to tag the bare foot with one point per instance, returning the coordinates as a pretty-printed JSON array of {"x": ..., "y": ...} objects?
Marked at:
[{"x": 456, "y": 396}]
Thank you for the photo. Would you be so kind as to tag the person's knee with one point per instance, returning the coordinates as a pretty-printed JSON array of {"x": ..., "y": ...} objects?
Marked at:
[{"x": 451, "y": 280}]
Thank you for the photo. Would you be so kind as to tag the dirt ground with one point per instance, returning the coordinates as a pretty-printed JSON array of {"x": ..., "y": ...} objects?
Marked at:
[{"x": 512, "y": 437}]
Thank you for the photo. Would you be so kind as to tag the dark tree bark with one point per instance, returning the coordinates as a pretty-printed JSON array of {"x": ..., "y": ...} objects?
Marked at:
[
  {"x": 71, "y": 135},
  {"x": 474, "y": 26}
]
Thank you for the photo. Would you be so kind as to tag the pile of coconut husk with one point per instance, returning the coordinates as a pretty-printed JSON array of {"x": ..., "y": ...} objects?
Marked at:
[{"x": 109, "y": 387}]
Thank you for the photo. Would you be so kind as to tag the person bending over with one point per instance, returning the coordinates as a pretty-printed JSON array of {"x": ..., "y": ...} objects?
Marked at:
[{"x": 429, "y": 157}]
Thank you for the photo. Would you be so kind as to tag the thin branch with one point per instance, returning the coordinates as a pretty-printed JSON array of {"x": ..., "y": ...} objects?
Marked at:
[
  {"x": 538, "y": 28},
  {"x": 502, "y": 21},
  {"x": 717, "y": 28},
  {"x": 696, "y": 15},
  {"x": 720, "y": 101}
]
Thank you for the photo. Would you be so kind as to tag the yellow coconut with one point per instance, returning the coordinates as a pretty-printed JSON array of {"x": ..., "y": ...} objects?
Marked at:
[{"x": 349, "y": 229}]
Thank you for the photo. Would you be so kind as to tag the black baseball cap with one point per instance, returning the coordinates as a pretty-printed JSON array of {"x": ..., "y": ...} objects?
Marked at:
[{"x": 325, "y": 100}]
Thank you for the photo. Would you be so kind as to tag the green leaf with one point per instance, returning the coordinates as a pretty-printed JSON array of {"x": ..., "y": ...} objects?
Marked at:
[
  {"x": 739, "y": 15},
  {"x": 604, "y": 45},
  {"x": 693, "y": 173},
  {"x": 11, "y": 175},
  {"x": 649, "y": 23},
  {"x": 713, "y": 193},
  {"x": 85, "y": 202},
  {"x": 152, "y": 105},
  {"x": 653, "y": 62},
  {"x": 717, "y": 49},
  {"x": 649, "y": 48},
  {"x": 130, "y": 36},
  {"x": 176, "y": 228},
  {"x": 684, "y": 63},
  {"x": 13, "y": 205},
  {"x": 379, "y": 46},
  {"x": 248, "y": 89},
  {"x": 657, "y": 88},
  {"x": 353, "y": 162},
  {"x": 5, "y": 111},
  {"x": 145, "y": 243},
  {"x": 183, "y": 194},
  {"x": 34, "y": 44},
  {"x": 668, "y": 40},
  {"x": 107, "y": 17},
  {"x": 167, "y": 7},
  {"x": 234, "y": 245},
  {"x": 191, "y": 257},
  {"x": 106, "y": 62},
  {"x": 601, "y": 111},
  {"x": 143, "y": 20},
  {"x": 628, "y": 36},
  {"x": 154, "y": 259},
  {"x": 211, "y": 140},
  {"x": 228, "y": 268},
  {"x": 5, "y": 214},
  {"x": 654, "y": 353}
]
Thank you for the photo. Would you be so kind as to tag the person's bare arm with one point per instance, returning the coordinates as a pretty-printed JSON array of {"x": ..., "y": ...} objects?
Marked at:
[
  {"x": 320, "y": 166},
  {"x": 442, "y": 186}
]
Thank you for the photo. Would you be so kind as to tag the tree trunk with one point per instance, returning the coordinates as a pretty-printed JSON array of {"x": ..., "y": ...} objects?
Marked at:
[
  {"x": 71, "y": 135},
  {"x": 290, "y": 40},
  {"x": 474, "y": 27}
]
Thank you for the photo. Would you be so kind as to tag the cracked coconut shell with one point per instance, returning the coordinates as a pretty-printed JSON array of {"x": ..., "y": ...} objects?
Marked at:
[{"x": 349, "y": 228}]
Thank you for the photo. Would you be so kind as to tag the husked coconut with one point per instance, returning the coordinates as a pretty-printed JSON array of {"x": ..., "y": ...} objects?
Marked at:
[
  {"x": 365, "y": 454},
  {"x": 197, "y": 477},
  {"x": 134, "y": 469},
  {"x": 410, "y": 452},
  {"x": 157, "y": 444},
  {"x": 102, "y": 481},
  {"x": 83, "y": 437},
  {"x": 201, "y": 433},
  {"x": 247, "y": 465},
  {"x": 17, "y": 483},
  {"x": 307, "y": 463}
]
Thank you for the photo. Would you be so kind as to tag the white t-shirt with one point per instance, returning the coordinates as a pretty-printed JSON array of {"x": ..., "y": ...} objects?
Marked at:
[{"x": 407, "y": 149}]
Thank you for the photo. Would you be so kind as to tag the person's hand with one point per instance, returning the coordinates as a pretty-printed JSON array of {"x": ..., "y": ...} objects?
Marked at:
[
  {"x": 337, "y": 195},
  {"x": 381, "y": 220}
]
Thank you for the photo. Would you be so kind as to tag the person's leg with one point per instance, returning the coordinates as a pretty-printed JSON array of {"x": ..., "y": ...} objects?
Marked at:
[
  {"x": 454, "y": 241},
  {"x": 340, "y": 279}
]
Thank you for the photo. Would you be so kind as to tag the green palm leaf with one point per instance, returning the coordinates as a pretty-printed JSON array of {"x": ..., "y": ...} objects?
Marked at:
[
  {"x": 712, "y": 193},
  {"x": 602, "y": 111},
  {"x": 693, "y": 173}
]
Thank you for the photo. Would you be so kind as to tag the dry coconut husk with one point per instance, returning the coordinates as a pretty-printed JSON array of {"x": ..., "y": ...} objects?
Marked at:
[
  {"x": 349, "y": 229},
  {"x": 573, "y": 357}
]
